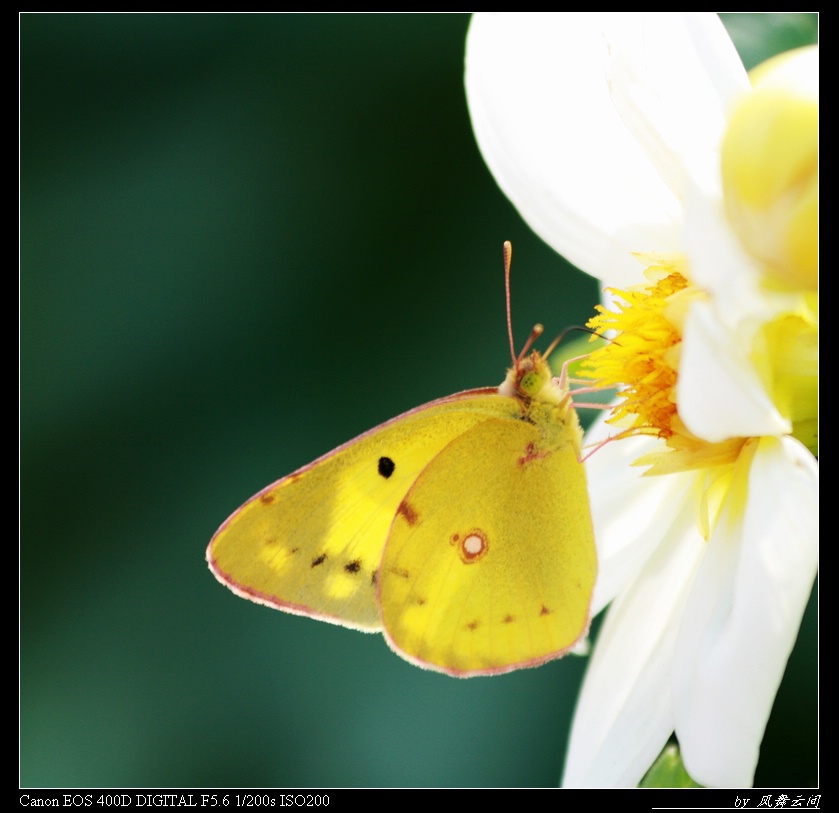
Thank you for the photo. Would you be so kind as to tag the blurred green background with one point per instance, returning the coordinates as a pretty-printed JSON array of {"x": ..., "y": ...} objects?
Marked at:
[{"x": 245, "y": 239}]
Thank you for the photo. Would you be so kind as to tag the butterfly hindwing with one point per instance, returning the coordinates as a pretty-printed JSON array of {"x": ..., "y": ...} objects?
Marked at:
[{"x": 498, "y": 575}]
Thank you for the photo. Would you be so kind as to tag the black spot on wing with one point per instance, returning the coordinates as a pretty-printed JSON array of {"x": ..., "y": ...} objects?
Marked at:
[
  {"x": 386, "y": 467},
  {"x": 353, "y": 567},
  {"x": 319, "y": 561}
]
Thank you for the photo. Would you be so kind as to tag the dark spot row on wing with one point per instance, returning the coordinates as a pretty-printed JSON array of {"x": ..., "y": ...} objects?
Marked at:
[
  {"x": 354, "y": 567},
  {"x": 350, "y": 567},
  {"x": 507, "y": 619},
  {"x": 269, "y": 496},
  {"x": 472, "y": 625}
]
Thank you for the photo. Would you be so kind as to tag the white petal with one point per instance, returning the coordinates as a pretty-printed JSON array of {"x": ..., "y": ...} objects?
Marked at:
[
  {"x": 632, "y": 513},
  {"x": 744, "y": 610},
  {"x": 721, "y": 266},
  {"x": 624, "y": 715},
  {"x": 543, "y": 110},
  {"x": 673, "y": 79},
  {"x": 548, "y": 131},
  {"x": 719, "y": 392}
]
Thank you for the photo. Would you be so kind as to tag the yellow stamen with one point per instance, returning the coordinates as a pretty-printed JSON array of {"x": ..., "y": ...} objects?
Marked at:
[{"x": 642, "y": 361}]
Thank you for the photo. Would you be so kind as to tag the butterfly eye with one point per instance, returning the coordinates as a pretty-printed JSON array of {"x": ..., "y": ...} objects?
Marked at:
[{"x": 531, "y": 383}]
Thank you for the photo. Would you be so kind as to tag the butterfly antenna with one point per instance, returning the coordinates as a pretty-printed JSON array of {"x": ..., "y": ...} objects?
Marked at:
[
  {"x": 508, "y": 256},
  {"x": 537, "y": 329},
  {"x": 552, "y": 346},
  {"x": 535, "y": 333}
]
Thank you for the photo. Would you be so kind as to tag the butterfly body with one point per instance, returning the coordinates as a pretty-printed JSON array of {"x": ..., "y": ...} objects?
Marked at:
[{"x": 461, "y": 529}]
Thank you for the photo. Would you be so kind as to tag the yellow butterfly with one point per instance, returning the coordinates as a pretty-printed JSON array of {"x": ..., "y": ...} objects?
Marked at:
[{"x": 461, "y": 529}]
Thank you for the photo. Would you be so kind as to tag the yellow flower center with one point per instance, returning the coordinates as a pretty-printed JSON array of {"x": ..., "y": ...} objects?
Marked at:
[
  {"x": 770, "y": 158},
  {"x": 786, "y": 353},
  {"x": 769, "y": 165},
  {"x": 769, "y": 169},
  {"x": 642, "y": 362}
]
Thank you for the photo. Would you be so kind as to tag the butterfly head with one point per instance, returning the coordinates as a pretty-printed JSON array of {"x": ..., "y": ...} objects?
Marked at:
[{"x": 531, "y": 379}]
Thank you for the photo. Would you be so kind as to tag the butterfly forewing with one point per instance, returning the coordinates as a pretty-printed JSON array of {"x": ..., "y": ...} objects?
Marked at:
[{"x": 312, "y": 542}]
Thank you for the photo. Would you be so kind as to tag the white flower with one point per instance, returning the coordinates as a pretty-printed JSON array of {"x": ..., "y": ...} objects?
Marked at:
[{"x": 606, "y": 132}]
